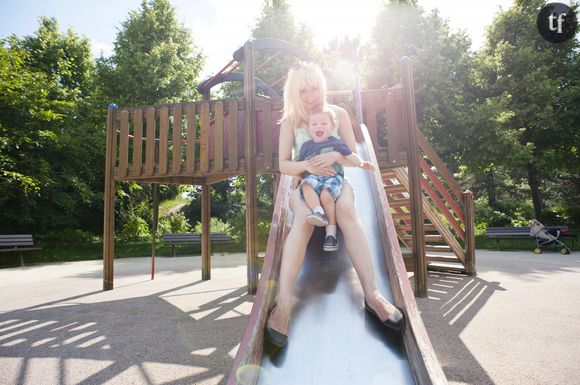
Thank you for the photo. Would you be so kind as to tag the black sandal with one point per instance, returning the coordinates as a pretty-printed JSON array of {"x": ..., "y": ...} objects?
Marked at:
[
  {"x": 394, "y": 322},
  {"x": 273, "y": 336}
]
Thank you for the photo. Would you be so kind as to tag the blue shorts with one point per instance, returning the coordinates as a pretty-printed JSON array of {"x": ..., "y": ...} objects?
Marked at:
[{"x": 332, "y": 183}]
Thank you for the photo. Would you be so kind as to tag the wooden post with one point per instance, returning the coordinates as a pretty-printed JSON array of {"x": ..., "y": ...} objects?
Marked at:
[
  {"x": 155, "y": 188},
  {"x": 109, "y": 202},
  {"x": 416, "y": 194},
  {"x": 250, "y": 174},
  {"x": 469, "y": 233},
  {"x": 205, "y": 232}
]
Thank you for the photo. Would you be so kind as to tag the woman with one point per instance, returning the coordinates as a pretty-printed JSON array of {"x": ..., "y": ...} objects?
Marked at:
[{"x": 305, "y": 90}]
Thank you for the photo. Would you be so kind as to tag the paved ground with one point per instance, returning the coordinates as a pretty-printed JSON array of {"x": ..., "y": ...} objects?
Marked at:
[{"x": 516, "y": 322}]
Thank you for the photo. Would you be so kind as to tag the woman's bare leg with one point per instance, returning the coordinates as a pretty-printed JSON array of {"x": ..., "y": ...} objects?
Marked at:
[
  {"x": 292, "y": 258},
  {"x": 357, "y": 245}
]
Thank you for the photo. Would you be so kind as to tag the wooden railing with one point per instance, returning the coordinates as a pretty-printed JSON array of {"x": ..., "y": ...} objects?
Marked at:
[
  {"x": 453, "y": 205},
  {"x": 383, "y": 115},
  {"x": 206, "y": 139}
]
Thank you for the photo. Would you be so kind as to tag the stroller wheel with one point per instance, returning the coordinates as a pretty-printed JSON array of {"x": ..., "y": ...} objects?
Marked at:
[
  {"x": 537, "y": 250},
  {"x": 564, "y": 250}
]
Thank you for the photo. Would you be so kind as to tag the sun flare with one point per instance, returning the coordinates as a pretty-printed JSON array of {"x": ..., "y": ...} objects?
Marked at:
[{"x": 329, "y": 19}]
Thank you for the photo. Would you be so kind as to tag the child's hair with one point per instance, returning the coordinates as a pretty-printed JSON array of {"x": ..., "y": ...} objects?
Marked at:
[
  {"x": 300, "y": 76},
  {"x": 322, "y": 110}
]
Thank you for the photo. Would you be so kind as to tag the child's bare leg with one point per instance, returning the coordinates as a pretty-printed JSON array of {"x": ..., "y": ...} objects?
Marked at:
[
  {"x": 329, "y": 206},
  {"x": 330, "y": 241},
  {"x": 310, "y": 196},
  {"x": 318, "y": 217}
]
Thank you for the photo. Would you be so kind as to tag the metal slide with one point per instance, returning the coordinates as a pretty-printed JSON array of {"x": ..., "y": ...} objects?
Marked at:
[{"x": 332, "y": 340}]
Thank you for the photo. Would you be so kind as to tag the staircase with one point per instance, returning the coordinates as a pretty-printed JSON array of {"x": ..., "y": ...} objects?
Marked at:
[{"x": 443, "y": 248}]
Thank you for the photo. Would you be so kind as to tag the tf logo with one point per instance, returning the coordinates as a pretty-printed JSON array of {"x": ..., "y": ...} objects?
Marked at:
[{"x": 556, "y": 22}]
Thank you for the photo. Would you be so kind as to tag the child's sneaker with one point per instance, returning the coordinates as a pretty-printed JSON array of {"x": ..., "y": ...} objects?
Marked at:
[
  {"x": 330, "y": 243},
  {"x": 317, "y": 219}
]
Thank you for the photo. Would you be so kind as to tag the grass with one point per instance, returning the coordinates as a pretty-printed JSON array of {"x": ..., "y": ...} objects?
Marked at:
[{"x": 58, "y": 252}]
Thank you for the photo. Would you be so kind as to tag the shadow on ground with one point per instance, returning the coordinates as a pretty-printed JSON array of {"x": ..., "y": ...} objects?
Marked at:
[
  {"x": 97, "y": 342},
  {"x": 453, "y": 301}
]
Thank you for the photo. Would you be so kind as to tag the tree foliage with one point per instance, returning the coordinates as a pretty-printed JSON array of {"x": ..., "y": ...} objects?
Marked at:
[
  {"x": 51, "y": 143},
  {"x": 526, "y": 111},
  {"x": 154, "y": 59},
  {"x": 441, "y": 64}
]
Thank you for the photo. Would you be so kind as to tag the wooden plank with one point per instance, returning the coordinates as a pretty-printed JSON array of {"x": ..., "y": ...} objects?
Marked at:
[
  {"x": 469, "y": 232},
  {"x": 439, "y": 187},
  {"x": 204, "y": 140},
  {"x": 250, "y": 171},
  {"x": 233, "y": 163},
  {"x": 249, "y": 354},
  {"x": 109, "y": 202},
  {"x": 441, "y": 167},
  {"x": 267, "y": 127},
  {"x": 437, "y": 202},
  {"x": 205, "y": 232},
  {"x": 124, "y": 144},
  {"x": 397, "y": 140},
  {"x": 150, "y": 142},
  {"x": 371, "y": 108},
  {"x": 163, "y": 139},
  {"x": 138, "y": 142},
  {"x": 416, "y": 195},
  {"x": 190, "y": 139},
  {"x": 176, "y": 160},
  {"x": 218, "y": 131},
  {"x": 436, "y": 224}
]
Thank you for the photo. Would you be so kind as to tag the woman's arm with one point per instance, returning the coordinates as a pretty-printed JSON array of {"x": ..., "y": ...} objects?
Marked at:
[{"x": 345, "y": 129}]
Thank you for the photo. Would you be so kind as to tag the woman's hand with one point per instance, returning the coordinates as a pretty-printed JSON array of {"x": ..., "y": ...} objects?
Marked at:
[
  {"x": 325, "y": 159},
  {"x": 315, "y": 167}
]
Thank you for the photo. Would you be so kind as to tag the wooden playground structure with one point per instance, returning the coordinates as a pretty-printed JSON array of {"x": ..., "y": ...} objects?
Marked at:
[{"x": 204, "y": 142}]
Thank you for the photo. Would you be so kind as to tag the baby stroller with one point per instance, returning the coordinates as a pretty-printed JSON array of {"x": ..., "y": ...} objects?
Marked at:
[{"x": 545, "y": 237}]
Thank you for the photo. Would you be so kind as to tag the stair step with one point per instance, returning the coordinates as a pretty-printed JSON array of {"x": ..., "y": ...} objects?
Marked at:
[
  {"x": 399, "y": 202},
  {"x": 401, "y": 215},
  {"x": 453, "y": 267},
  {"x": 438, "y": 248},
  {"x": 426, "y": 227},
  {"x": 428, "y": 237},
  {"x": 442, "y": 258},
  {"x": 395, "y": 188}
]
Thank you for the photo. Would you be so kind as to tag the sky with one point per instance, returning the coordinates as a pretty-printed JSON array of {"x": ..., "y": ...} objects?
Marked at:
[{"x": 219, "y": 27}]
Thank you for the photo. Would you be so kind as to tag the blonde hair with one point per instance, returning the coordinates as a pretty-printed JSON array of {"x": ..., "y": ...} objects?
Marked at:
[{"x": 300, "y": 76}]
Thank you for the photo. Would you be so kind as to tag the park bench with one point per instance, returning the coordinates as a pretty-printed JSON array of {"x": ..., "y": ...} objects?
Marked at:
[
  {"x": 175, "y": 239},
  {"x": 17, "y": 243},
  {"x": 523, "y": 233}
]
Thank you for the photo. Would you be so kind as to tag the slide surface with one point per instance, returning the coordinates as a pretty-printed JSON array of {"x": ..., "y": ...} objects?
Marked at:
[{"x": 332, "y": 339}]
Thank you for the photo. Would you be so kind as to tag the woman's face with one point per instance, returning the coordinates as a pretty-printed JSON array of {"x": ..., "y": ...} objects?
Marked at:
[{"x": 310, "y": 96}]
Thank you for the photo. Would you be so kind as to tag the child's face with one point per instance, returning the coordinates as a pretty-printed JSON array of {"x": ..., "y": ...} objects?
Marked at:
[{"x": 319, "y": 126}]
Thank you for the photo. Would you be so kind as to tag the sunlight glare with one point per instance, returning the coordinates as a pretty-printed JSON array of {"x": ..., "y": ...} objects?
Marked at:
[{"x": 327, "y": 19}]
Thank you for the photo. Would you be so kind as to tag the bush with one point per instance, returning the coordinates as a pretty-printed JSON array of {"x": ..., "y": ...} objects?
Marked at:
[
  {"x": 68, "y": 236},
  {"x": 136, "y": 229},
  {"x": 217, "y": 226},
  {"x": 173, "y": 223}
]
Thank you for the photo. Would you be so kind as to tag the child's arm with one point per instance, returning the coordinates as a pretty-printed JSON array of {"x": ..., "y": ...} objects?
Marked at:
[{"x": 355, "y": 161}]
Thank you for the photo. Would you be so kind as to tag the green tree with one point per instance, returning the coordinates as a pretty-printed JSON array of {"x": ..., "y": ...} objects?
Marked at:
[
  {"x": 527, "y": 107},
  {"x": 276, "y": 20},
  {"x": 51, "y": 142},
  {"x": 441, "y": 62},
  {"x": 154, "y": 60}
]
